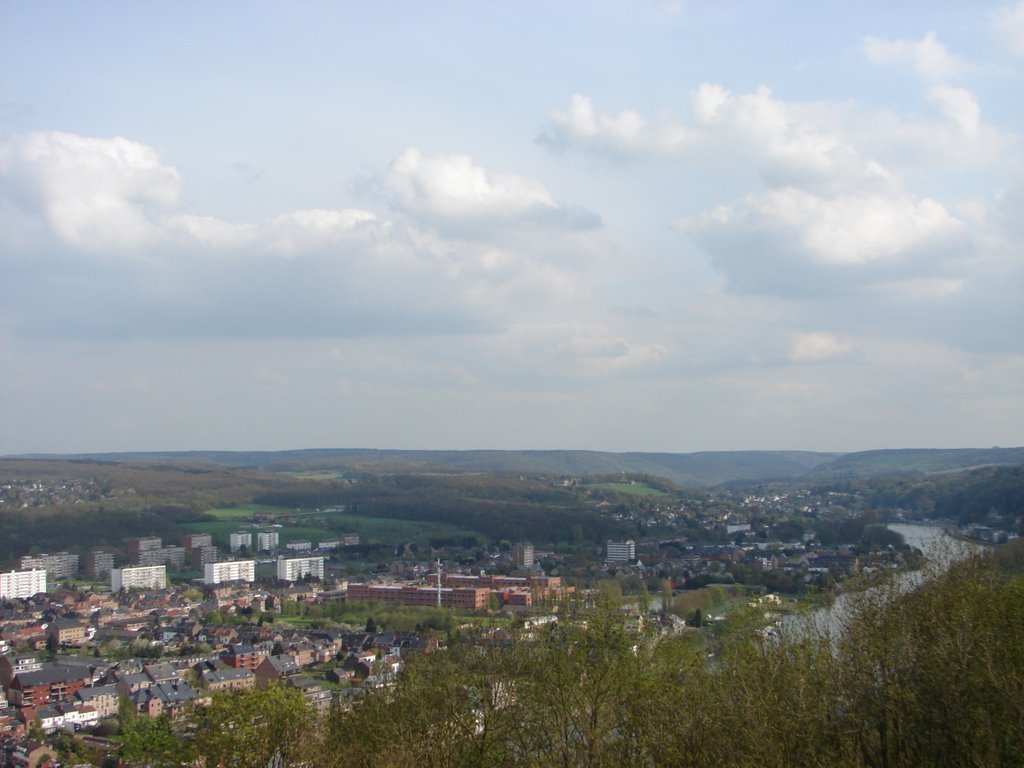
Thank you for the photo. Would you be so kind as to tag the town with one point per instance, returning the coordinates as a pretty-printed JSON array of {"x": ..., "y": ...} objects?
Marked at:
[{"x": 281, "y": 596}]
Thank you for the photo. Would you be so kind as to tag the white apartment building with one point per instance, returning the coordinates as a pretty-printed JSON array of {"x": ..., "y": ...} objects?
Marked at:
[
  {"x": 143, "y": 577},
  {"x": 22, "y": 584},
  {"x": 267, "y": 540},
  {"x": 294, "y": 568},
  {"x": 300, "y": 546},
  {"x": 238, "y": 540},
  {"x": 621, "y": 551},
  {"x": 229, "y": 570}
]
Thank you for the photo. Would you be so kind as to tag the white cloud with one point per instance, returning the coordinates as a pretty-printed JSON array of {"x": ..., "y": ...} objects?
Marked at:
[
  {"x": 927, "y": 56},
  {"x": 452, "y": 190},
  {"x": 959, "y": 105},
  {"x": 1008, "y": 22},
  {"x": 818, "y": 345},
  {"x": 793, "y": 242},
  {"x": 625, "y": 133},
  {"x": 96, "y": 194},
  {"x": 104, "y": 210}
]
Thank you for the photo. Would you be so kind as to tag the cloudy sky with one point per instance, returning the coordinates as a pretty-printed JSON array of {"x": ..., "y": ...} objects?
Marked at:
[{"x": 605, "y": 225}]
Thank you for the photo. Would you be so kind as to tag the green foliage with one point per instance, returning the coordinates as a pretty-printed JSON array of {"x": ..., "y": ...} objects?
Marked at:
[
  {"x": 151, "y": 742},
  {"x": 254, "y": 729},
  {"x": 931, "y": 678}
]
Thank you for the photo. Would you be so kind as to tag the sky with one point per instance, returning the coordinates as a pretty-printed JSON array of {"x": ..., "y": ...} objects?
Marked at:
[{"x": 621, "y": 226}]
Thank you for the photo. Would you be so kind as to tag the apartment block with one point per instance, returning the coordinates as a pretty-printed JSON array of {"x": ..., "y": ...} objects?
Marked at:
[
  {"x": 267, "y": 540},
  {"x": 523, "y": 556},
  {"x": 200, "y": 556},
  {"x": 170, "y": 555},
  {"x": 238, "y": 540},
  {"x": 229, "y": 570},
  {"x": 62, "y": 565},
  {"x": 299, "y": 546},
  {"x": 196, "y": 540},
  {"x": 143, "y": 577},
  {"x": 295, "y": 568},
  {"x": 98, "y": 564},
  {"x": 136, "y": 546},
  {"x": 621, "y": 551},
  {"x": 22, "y": 584}
]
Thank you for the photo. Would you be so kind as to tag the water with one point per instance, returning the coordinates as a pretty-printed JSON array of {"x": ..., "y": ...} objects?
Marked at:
[{"x": 942, "y": 551}]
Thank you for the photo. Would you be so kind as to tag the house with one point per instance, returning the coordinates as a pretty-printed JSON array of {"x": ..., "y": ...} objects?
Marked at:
[
  {"x": 102, "y": 698},
  {"x": 242, "y": 656},
  {"x": 45, "y": 686},
  {"x": 67, "y": 631},
  {"x": 228, "y": 679},
  {"x": 163, "y": 698},
  {"x": 274, "y": 668}
]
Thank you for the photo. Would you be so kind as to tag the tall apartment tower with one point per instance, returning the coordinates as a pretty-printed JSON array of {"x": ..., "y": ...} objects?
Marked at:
[
  {"x": 294, "y": 568},
  {"x": 144, "y": 577},
  {"x": 143, "y": 544},
  {"x": 523, "y": 554},
  {"x": 22, "y": 584},
  {"x": 98, "y": 564},
  {"x": 267, "y": 540},
  {"x": 621, "y": 551},
  {"x": 238, "y": 540}
]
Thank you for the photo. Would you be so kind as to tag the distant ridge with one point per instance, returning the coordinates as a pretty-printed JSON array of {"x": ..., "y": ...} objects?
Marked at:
[{"x": 701, "y": 469}]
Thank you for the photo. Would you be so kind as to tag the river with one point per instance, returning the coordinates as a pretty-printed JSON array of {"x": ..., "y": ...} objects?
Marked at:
[{"x": 941, "y": 549}]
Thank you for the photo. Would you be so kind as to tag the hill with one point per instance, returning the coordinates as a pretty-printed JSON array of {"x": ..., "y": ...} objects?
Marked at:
[{"x": 694, "y": 470}]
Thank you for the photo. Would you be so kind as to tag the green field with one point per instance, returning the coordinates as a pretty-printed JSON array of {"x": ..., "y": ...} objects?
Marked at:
[
  {"x": 245, "y": 511},
  {"x": 632, "y": 489}
]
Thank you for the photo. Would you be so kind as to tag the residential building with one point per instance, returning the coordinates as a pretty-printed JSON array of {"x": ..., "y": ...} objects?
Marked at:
[
  {"x": 243, "y": 656},
  {"x": 67, "y": 631},
  {"x": 350, "y": 539},
  {"x": 144, "y": 544},
  {"x": 230, "y": 570},
  {"x": 274, "y": 668},
  {"x": 621, "y": 551},
  {"x": 169, "y": 555},
  {"x": 45, "y": 686},
  {"x": 229, "y": 679},
  {"x": 103, "y": 698},
  {"x": 523, "y": 555},
  {"x": 98, "y": 564},
  {"x": 295, "y": 568},
  {"x": 22, "y": 584},
  {"x": 267, "y": 540},
  {"x": 62, "y": 565},
  {"x": 330, "y": 544},
  {"x": 201, "y": 556},
  {"x": 299, "y": 546},
  {"x": 143, "y": 577},
  {"x": 238, "y": 540},
  {"x": 196, "y": 540}
]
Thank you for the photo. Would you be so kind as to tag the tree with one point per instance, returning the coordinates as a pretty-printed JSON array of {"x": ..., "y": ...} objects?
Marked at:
[
  {"x": 150, "y": 742},
  {"x": 255, "y": 728}
]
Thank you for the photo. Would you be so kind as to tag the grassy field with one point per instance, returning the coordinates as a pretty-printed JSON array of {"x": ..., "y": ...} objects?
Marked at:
[
  {"x": 246, "y": 511},
  {"x": 632, "y": 489}
]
